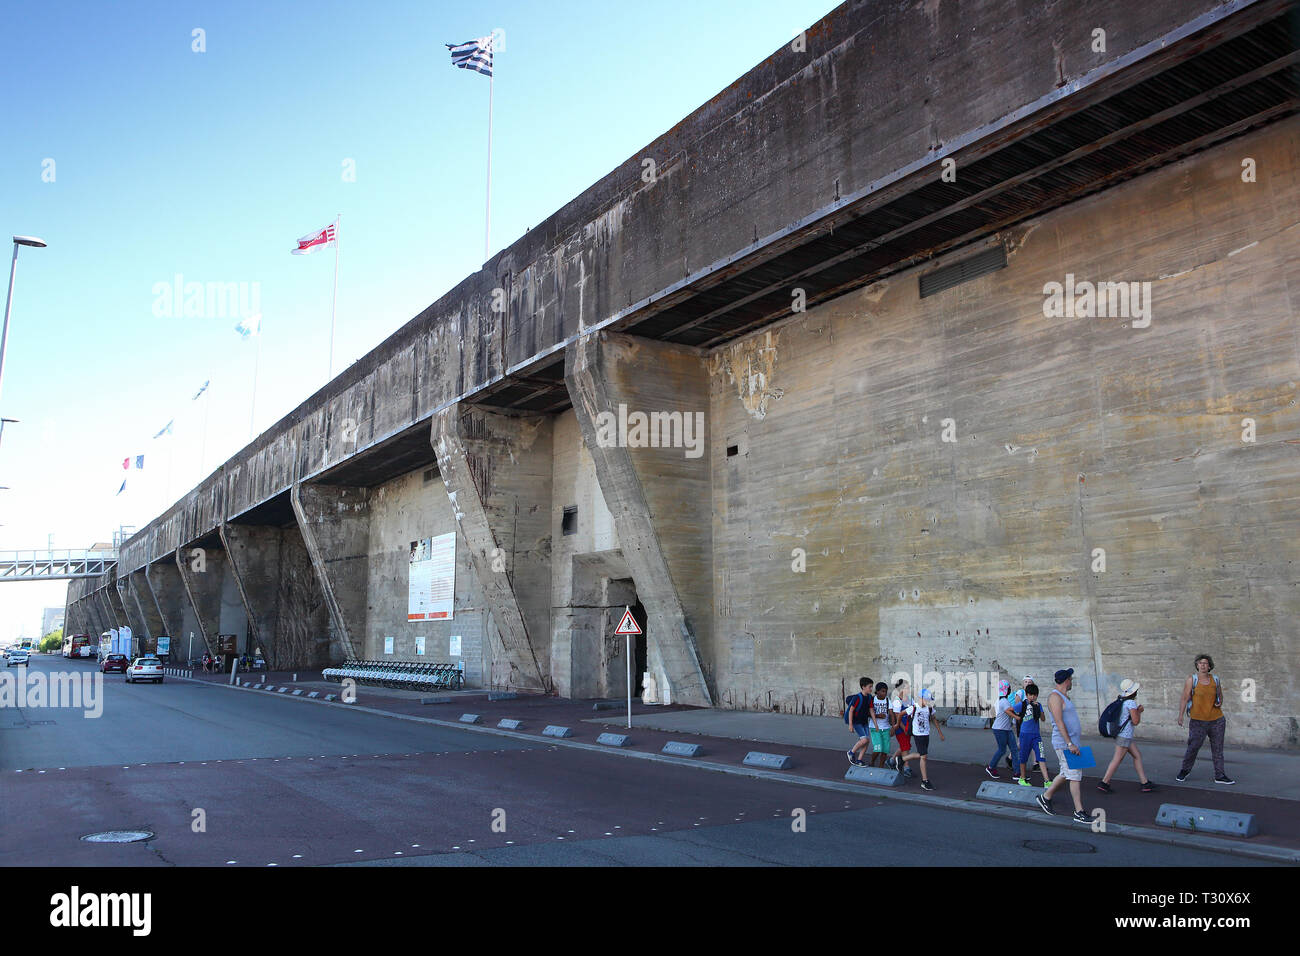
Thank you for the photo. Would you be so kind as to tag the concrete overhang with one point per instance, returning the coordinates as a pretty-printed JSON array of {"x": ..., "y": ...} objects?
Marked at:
[{"x": 1221, "y": 74}]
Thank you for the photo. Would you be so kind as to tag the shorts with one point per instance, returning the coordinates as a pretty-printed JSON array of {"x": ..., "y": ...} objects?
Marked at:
[
  {"x": 922, "y": 742},
  {"x": 1065, "y": 771},
  {"x": 1030, "y": 745},
  {"x": 880, "y": 741},
  {"x": 904, "y": 743},
  {"x": 861, "y": 731},
  {"x": 1124, "y": 741}
]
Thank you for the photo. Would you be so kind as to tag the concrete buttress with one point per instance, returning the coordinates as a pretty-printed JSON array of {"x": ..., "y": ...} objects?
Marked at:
[
  {"x": 659, "y": 496},
  {"x": 497, "y": 470},
  {"x": 168, "y": 591},
  {"x": 202, "y": 572},
  {"x": 335, "y": 526}
]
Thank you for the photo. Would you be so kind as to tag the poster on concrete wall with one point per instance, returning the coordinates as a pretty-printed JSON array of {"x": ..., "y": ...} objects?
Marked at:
[
  {"x": 431, "y": 585},
  {"x": 419, "y": 646}
]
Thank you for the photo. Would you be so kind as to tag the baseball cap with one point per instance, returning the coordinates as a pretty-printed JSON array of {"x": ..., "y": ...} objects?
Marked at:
[
  {"x": 927, "y": 694},
  {"x": 1004, "y": 687},
  {"x": 1063, "y": 676},
  {"x": 1026, "y": 679}
]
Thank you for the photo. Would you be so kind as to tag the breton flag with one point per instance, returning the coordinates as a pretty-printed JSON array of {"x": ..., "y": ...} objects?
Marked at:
[
  {"x": 166, "y": 429},
  {"x": 246, "y": 327},
  {"x": 307, "y": 244},
  {"x": 473, "y": 55}
]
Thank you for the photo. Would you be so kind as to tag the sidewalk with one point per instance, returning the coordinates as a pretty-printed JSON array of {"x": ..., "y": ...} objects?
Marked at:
[{"x": 1268, "y": 781}]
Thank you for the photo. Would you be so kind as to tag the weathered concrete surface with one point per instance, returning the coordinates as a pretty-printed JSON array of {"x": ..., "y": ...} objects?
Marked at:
[
  {"x": 335, "y": 526},
  {"x": 497, "y": 472},
  {"x": 659, "y": 496},
  {"x": 1071, "y": 434},
  {"x": 138, "y": 587},
  {"x": 169, "y": 595},
  {"x": 202, "y": 573}
]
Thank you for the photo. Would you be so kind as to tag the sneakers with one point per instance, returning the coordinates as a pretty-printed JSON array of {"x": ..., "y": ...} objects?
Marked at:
[
  {"x": 1225, "y": 779},
  {"x": 1149, "y": 787},
  {"x": 1081, "y": 817},
  {"x": 1046, "y": 784},
  {"x": 1045, "y": 803},
  {"x": 907, "y": 771},
  {"x": 926, "y": 785},
  {"x": 991, "y": 772},
  {"x": 1182, "y": 775},
  {"x": 1104, "y": 787},
  {"x": 1010, "y": 765},
  {"x": 1023, "y": 782}
]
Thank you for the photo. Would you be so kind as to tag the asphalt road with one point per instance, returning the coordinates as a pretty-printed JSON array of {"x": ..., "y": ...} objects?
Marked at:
[{"x": 230, "y": 778}]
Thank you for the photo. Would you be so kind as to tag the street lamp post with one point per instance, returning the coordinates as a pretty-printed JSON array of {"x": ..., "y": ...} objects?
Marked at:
[{"x": 13, "y": 270}]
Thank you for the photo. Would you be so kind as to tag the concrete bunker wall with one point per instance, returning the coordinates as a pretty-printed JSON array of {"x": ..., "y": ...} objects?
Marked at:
[
  {"x": 402, "y": 510},
  {"x": 1069, "y": 435}
]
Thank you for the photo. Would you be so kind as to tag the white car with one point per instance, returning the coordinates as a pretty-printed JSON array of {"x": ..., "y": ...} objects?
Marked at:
[
  {"x": 17, "y": 657},
  {"x": 144, "y": 668}
]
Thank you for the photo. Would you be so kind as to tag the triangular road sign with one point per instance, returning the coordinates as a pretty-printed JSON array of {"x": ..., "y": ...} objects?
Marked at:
[{"x": 628, "y": 625}]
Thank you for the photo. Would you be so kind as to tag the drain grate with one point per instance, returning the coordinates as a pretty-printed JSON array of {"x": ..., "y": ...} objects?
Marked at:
[
  {"x": 1059, "y": 846},
  {"x": 118, "y": 836}
]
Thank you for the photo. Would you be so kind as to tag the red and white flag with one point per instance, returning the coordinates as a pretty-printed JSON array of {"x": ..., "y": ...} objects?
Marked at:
[{"x": 307, "y": 244}]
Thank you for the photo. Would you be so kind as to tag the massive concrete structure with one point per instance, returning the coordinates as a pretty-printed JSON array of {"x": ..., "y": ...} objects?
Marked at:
[{"x": 959, "y": 338}]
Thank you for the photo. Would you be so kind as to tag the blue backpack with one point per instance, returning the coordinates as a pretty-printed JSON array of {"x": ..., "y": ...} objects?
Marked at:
[{"x": 1108, "y": 724}]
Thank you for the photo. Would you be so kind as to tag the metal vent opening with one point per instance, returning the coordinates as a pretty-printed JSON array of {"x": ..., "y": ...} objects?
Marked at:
[{"x": 981, "y": 264}]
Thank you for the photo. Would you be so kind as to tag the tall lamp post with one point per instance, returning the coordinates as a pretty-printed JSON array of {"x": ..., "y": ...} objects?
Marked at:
[{"x": 9, "y": 300}]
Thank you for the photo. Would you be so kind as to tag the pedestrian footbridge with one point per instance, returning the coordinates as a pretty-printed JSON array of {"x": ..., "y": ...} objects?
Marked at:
[{"x": 54, "y": 565}]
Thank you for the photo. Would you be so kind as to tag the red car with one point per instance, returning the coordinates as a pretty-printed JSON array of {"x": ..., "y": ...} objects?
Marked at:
[{"x": 114, "y": 662}]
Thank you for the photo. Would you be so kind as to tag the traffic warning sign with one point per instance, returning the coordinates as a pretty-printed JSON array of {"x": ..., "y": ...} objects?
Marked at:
[{"x": 628, "y": 625}]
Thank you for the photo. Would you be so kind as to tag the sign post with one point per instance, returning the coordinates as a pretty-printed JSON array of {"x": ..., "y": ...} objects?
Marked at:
[{"x": 627, "y": 627}]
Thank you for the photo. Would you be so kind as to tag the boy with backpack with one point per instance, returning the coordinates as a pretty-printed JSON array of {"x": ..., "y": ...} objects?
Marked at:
[
  {"x": 856, "y": 708},
  {"x": 920, "y": 715},
  {"x": 1030, "y": 713},
  {"x": 1118, "y": 720}
]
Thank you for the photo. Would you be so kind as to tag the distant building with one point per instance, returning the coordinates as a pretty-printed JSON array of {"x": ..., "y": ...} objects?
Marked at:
[{"x": 51, "y": 619}]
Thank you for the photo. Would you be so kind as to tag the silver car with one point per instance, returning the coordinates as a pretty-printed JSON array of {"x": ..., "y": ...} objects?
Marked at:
[
  {"x": 17, "y": 657},
  {"x": 144, "y": 668}
]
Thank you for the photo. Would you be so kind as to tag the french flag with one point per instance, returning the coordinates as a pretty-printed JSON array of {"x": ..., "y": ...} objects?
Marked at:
[{"x": 307, "y": 244}]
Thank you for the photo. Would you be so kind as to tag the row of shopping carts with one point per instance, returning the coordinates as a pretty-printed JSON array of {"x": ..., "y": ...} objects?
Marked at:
[{"x": 406, "y": 675}]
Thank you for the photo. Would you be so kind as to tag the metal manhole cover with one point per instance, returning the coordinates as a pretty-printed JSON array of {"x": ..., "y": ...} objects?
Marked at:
[
  {"x": 1059, "y": 846},
  {"x": 118, "y": 836}
]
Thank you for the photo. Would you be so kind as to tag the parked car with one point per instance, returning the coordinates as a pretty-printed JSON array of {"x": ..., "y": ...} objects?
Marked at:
[
  {"x": 144, "y": 668},
  {"x": 17, "y": 657},
  {"x": 114, "y": 662}
]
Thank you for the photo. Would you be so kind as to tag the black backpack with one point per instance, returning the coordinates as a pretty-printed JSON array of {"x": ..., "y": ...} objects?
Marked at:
[{"x": 1108, "y": 724}]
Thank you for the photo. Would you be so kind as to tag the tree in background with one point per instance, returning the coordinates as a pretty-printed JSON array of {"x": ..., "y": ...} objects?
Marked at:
[{"x": 52, "y": 641}]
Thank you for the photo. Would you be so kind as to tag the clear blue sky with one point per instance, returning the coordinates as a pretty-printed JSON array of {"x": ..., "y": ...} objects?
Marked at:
[{"x": 211, "y": 165}]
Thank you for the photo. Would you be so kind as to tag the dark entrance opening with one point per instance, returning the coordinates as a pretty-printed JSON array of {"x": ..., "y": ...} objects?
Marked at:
[{"x": 638, "y": 651}]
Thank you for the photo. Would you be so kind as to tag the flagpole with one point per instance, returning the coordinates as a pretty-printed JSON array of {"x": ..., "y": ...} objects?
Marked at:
[
  {"x": 487, "y": 228},
  {"x": 338, "y": 231}
]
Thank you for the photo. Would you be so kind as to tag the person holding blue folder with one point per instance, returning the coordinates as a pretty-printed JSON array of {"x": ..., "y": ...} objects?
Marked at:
[{"x": 1067, "y": 731}]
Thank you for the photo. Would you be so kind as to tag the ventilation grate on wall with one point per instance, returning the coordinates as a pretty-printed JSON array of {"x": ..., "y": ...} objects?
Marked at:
[
  {"x": 981, "y": 264},
  {"x": 430, "y": 474}
]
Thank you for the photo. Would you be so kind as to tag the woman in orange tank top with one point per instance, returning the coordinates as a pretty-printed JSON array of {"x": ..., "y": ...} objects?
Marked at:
[{"x": 1202, "y": 702}]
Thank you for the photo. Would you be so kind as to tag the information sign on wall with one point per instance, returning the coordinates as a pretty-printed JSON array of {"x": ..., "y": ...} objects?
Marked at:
[{"x": 431, "y": 584}]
